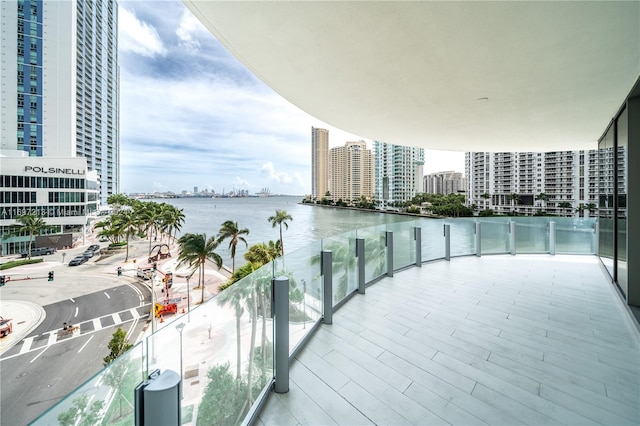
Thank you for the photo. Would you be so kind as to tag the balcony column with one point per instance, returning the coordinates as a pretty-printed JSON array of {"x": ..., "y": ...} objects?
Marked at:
[
  {"x": 417, "y": 236},
  {"x": 389, "y": 244},
  {"x": 327, "y": 274},
  {"x": 478, "y": 239},
  {"x": 512, "y": 237},
  {"x": 280, "y": 287},
  {"x": 360, "y": 256},
  {"x": 447, "y": 241},
  {"x": 552, "y": 238}
]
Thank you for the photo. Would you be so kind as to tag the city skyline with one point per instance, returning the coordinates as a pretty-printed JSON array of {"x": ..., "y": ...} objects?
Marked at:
[{"x": 192, "y": 115}]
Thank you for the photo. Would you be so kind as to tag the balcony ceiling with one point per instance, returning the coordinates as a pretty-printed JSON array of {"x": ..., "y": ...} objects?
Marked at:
[{"x": 467, "y": 76}]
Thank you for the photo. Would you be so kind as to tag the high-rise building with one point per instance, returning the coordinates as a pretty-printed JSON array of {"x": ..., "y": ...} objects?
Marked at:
[
  {"x": 398, "y": 172},
  {"x": 60, "y": 78},
  {"x": 526, "y": 182},
  {"x": 319, "y": 162},
  {"x": 351, "y": 172},
  {"x": 448, "y": 182}
]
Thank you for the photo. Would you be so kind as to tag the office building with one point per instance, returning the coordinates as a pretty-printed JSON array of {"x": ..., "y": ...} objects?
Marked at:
[
  {"x": 60, "y": 83},
  {"x": 58, "y": 110},
  {"x": 351, "y": 172},
  {"x": 399, "y": 172},
  {"x": 448, "y": 182},
  {"x": 319, "y": 162},
  {"x": 562, "y": 183}
]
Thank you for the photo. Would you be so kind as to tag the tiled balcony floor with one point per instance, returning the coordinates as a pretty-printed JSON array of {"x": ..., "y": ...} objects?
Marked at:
[{"x": 494, "y": 340}]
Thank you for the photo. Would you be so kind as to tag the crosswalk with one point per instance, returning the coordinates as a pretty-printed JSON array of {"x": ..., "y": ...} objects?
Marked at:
[{"x": 33, "y": 343}]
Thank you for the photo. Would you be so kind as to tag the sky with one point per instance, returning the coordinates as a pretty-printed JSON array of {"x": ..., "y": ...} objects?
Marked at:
[{"x": 192, "y": 115}]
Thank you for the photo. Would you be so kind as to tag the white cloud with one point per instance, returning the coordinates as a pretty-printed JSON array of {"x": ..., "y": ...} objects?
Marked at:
[
  {"x": 268, "y": 170},
  {"x": 189, "y": 26},
  {"x": 137, "y": 36}
]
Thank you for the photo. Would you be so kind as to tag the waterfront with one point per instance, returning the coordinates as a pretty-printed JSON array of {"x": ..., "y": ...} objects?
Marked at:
[{"x": 310, "y": 223}]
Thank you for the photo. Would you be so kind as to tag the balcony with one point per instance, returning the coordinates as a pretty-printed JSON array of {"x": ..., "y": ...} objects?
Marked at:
[{"x": 532, "y": 338}]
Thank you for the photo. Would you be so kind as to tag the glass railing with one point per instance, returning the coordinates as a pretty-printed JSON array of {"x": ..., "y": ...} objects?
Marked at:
[{"x": 224, "y": 347}]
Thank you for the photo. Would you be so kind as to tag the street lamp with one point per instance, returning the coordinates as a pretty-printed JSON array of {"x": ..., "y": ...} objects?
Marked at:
[{"x": 180, "y": 327}]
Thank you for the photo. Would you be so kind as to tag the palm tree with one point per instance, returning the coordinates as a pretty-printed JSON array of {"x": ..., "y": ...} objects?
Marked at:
[
  {"x": 543, "y": 197},
  {"x": 279, "y": 219},
  {"x": 32, "y": 224},
  {"x": 580, "y": 210},
  {"x": 515, "y": 198},
  {"x": 591, "y": 207},
  {"x": 485, "y": 196},
  {"x": 195, "y": 249},
  {"x": 231, "y": 230},
  {"x": 128, "y": 223},
  {"x": 150, "y": 218},
  {"x": 173, "y": 219},
  {"x": 117, "y": 201},
  {"x": 565, "y": 205}
]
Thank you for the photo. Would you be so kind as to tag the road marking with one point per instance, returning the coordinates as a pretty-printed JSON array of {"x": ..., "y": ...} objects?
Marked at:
[
  {"x": 105, "y": 293},
  {"x": 134, "y": 313},
  {"x": 116, "y": 318},
  {"x": 26, "y": 345},
  {"x": 86, "y": 343},
  {"x": 97, "y": 325},
  {"x": 76, "y": 311},
  {"x": 72, "y": 300},
  {"x": 47, "y": 347},
  {"x": 53, "y": 336}
]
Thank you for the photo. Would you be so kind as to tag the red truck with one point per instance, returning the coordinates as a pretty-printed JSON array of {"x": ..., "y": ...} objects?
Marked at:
[{"x": 5, "y": 327}]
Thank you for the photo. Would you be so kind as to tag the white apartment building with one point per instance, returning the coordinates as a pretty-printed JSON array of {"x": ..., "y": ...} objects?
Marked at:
[
  {"x": 319, "y": 162},
  {"x": 351, "y": 172},
  {"x": 60, "y": 78},
  {"x": 448, "y": 182},
  {"x": 399, "y": 172},
  {"x": 515, "y": 181}
]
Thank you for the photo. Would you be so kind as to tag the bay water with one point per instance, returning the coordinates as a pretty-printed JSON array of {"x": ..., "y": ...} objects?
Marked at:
[{"x": 309, "y": 223}]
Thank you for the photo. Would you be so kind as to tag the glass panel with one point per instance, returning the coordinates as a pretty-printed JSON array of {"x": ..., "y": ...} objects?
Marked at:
[
  {"x": 495, "y": 235},
  {"x": 463, "y": 234},
  {"x": 621, "y": 216},
  {"x": 109, "y": 392},
  {"x": 605, "y": 201},
  {"x": 375, "y": 251},
  {"x": 305, "y": 290},
  {"x": 432, "y": 239},
  {"x": 404, "y": 244},
  {"x": 575, "y": 235},
  {"x": 532, "y": 234},
  {"x": 344, "y": 266}
]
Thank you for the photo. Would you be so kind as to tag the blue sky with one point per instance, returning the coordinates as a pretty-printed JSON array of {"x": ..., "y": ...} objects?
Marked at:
[{"x": 192, "y": 115}]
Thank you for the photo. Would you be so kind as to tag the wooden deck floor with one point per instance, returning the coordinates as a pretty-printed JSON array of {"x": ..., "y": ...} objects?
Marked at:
[{"x": 498, "y": 340}]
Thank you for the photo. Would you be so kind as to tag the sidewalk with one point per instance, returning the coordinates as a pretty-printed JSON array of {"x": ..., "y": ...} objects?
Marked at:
[{"x": 25, "y": 317}]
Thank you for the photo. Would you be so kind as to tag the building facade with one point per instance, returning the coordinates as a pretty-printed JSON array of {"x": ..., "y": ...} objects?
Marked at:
[
  {"x": 319, "y": 162},
  {"x": 351, "y": 172},
  {"x": 399, "y": 172},
  {"x": 60, "y": 83},
  {"x": 448, "y": 182},
  {"x": 563, "y": 183}
]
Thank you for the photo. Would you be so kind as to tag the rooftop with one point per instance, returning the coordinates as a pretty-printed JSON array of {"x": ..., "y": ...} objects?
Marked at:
[{"x": 534, "y": 339}]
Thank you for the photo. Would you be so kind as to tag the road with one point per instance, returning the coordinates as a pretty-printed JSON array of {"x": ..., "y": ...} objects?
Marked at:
[{"x": 49, "y": 363}]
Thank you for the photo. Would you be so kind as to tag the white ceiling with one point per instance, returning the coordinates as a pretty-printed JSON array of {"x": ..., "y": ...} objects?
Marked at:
[{"x": 467, "y": 76}]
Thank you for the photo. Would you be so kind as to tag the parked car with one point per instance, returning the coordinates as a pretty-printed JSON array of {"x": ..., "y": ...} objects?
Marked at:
[
  {"x": 6, "y": 327},
  {"x": 88, "y": 254},
  {"x": 78, "y": 260},
  {"x": 94, "y": 248},
  {"x": 40, "y": 251}
]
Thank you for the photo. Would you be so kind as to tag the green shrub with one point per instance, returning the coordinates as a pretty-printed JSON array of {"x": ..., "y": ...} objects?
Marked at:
[{"x": 14, "y": 263}]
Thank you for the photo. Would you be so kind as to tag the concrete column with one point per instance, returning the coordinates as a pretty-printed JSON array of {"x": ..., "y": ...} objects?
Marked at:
[
  {"x": 361, "y": 262},
  {"x": 447, "y": 241}
]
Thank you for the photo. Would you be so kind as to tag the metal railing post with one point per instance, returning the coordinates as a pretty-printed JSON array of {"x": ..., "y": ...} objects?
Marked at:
[
  {"x": 389, "y": 244},
  {"x": 360, "y": 256},
  {"x": 327, "y": 274},
  {"x": 552, "y": 238},
  {"x": 512, "y": 237},
  {"x": 447, "y": 241},
  {"x": 597, "y": 237},
  {"x": 417, "y": 236},
  {"x": 478, "y": 239},
  {"x": 281, "y": 319}
]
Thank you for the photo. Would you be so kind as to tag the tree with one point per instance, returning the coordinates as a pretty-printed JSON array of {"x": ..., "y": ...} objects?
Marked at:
[
  {"x": 79, "y": 410},
  {"x": 543, "y": 197},
  {"x": 565, "y": 205},
  {"x": 32, "y": 224},
  {"x": 173, "y": 218},
  {"x": 279, "y": 219},
  {"x": 591, "y": 207},
  {"x": 223, "y": 399},
  {"x": 195, "y": 249},
  {"x": 117, "y": 371},
  {"x": 117, "y": 201},
  {"x": 128, "y": 224},
  {"x": 515, "y": 199},
  {"x": 485, "y": 196},
  {"x": 231, "y": 230}
]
